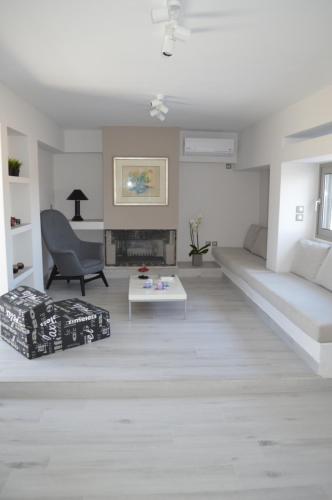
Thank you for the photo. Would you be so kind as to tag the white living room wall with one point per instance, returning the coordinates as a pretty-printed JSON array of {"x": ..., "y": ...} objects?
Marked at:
[
  {"x": 46, "y": 178},
  {"x": 271, "y": 142},
  {"x": 299, "y": 187},
  {"x": 228, "y": 200},
  {"x": 46, "y": 194},
  {"x": 18, "y": 115},
  {"x": 79, "y": 171},
  {"x": 264, "y": 189}
]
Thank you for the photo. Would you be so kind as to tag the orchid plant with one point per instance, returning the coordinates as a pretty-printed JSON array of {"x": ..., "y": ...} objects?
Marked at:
[{"x": 194, "y": 229}]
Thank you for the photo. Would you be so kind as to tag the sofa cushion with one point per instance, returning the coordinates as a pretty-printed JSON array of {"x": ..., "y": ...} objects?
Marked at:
[
  {"x": 251, "y": 236},
  {"x": 324, "y": 275},
  {"x": 260, "y": 245},
  {"x": 304, "y": 303},
  {"x": 308, "y": 257},
  {"x": 238, "y": 260}
]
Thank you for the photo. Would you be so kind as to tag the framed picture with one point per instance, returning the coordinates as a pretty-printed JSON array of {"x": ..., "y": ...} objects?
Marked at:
[{"x": 140, "y": 181}]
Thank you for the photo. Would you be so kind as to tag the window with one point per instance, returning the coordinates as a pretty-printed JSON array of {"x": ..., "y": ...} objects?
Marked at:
[{"x": 325, "y": 203}]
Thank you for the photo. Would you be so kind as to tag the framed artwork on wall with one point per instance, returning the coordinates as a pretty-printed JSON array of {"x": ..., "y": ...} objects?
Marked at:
[{"x": 140, "y": 181}]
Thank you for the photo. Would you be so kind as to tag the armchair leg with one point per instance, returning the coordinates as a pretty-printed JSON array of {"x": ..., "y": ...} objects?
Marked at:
[
  {"x": 52, "y": 276},
  {"x": 102, "y": 275},
  {"x": 82, "y": 285}
]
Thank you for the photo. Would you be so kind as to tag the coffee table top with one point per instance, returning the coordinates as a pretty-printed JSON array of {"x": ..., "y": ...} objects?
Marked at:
[{"x": 139, "y": 294}]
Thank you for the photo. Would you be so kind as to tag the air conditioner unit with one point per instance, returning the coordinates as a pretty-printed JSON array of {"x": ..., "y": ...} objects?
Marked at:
[{"x": 210, "y": 147}]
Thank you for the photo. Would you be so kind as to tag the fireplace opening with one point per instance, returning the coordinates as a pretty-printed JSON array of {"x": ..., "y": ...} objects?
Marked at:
[{"x": 133, "y": 247}]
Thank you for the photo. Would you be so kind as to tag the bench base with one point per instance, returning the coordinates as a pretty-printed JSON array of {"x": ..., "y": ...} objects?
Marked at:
[{"x": 318, "y": 355}]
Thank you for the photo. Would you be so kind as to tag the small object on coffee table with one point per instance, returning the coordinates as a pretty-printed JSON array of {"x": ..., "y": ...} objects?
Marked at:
[
  {"x": 143, "y": 270},
  {"x": 20, "y": 265},
  {"x": 15, "y": 269}
]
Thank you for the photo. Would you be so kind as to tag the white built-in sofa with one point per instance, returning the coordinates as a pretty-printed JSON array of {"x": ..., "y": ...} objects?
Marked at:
[{"x": 300, "y": 301}]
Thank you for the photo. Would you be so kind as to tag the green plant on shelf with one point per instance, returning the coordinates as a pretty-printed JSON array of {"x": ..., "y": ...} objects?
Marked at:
[{"x": 14, "y": 166}]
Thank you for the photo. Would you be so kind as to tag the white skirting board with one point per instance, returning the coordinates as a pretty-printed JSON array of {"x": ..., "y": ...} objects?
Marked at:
[{"x": 319, "y": 353}]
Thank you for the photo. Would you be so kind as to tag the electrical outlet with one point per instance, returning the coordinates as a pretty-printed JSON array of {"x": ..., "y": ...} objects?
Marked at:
[{"x": 214, "y": 243}]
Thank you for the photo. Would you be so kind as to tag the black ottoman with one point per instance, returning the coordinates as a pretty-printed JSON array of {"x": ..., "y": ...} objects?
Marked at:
[
  {"x": 27, "y": 322},
  {"x": 80, "y": 322}
]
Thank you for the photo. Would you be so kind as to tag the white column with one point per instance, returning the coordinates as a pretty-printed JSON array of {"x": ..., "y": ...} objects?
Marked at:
[
  {"x": 37, "y": 255},
  {"x": 5, "y": 236}
]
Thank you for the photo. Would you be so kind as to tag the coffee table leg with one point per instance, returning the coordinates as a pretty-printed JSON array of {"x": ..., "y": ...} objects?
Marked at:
[{"x": 129, "y": 306}]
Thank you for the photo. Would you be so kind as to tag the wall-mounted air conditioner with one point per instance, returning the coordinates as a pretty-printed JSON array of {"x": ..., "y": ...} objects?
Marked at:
[{"x": 213, "y": 147}]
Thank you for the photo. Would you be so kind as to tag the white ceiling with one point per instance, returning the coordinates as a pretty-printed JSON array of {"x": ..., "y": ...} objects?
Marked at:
[{"x": 90, "y": 63}]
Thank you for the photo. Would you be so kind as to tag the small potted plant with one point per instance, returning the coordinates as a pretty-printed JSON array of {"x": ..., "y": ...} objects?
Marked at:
[
  {"x": 14, "y": 167},
  {"x": 196, "y": 252}
]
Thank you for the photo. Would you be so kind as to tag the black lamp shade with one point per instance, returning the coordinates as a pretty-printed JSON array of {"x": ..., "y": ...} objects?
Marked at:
[{"x": 77, "y": 194}]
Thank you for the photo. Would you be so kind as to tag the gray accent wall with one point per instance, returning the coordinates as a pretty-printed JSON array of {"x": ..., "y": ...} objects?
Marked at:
[{"x": 141, "y": 142}]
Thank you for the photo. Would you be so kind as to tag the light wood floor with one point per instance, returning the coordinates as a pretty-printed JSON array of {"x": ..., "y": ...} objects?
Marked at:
[{"x": 212, "y": 407}]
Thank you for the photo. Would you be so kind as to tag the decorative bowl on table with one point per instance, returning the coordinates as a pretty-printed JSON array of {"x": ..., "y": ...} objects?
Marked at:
[{"x": 142, "y": 270}]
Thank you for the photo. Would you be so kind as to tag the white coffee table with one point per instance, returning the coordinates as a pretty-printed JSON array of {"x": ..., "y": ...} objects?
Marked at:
[{"x": 174, "y": 293}]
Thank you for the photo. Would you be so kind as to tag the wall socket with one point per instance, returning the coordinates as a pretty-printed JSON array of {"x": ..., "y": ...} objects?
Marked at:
[{"x": 214, "y": 243}]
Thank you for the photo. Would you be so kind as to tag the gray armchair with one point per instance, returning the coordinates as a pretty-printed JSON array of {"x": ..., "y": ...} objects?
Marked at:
[{"x": 73, "y": 258}]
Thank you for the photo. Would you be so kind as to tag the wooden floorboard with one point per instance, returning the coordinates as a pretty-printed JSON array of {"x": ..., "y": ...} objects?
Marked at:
[{"x": 212, "y": 407}]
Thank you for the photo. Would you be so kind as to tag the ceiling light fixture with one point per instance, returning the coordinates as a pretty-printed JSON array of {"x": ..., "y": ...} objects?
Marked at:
[
  {"x": 158, "y": 108},
  {"x": 173, "y": 31}
]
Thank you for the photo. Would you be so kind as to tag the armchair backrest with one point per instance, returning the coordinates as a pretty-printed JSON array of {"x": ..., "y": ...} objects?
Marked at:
[{"x": 57, "y": 232}]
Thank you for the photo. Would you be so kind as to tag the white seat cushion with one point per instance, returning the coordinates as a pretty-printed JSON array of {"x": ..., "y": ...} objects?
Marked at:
[
  {"x": 324, "y": 275},
  {"x": 304, "y": 303},
  {"x": 260, "y": 245},
  {"x": 238, "y": 259},
  {"x": 251, "y": 236},
  {"x": 308, "y": 257}
]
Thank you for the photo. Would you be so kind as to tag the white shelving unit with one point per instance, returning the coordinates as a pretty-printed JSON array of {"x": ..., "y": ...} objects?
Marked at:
[
  {"x": 22, "y": 228},
  {"x": 87, "y": 225},
  {"x": 23, "y": 242},
  {"x": 22, "y": 276},
  {"x": 18, "y": 180}
]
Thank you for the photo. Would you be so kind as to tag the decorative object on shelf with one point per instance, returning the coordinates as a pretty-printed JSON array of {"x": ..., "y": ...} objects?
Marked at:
[
  {"x": 15, "y": 222},
  {"x": 14, "y": 167},
  {"x": 143, "y": 270},
  {"x": 18, "y": 267},
  {"x": 77, "y": 195},
  {"x": 196, "y": 252},
  {"x": 140, "y": 181}
]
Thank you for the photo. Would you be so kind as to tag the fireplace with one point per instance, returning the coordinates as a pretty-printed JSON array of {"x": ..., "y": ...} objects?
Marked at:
[{"x": 133, "y": 247}]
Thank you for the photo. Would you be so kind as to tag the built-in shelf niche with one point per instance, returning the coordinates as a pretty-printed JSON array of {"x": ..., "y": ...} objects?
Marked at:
[
  {"x": 23, "y": 276},
  {"x": 22, "y": 249},
  {"x": 19, "y": 180},
  {"x": 22, "y": 228},
  {"x": 20, "y": 203},
  {"x": 18, "y": 148}
]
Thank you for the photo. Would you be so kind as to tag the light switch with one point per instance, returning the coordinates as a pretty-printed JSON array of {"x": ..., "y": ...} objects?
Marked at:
[
  {"x": 300, "y": 209},
  {"x": 299, "y": 217}
]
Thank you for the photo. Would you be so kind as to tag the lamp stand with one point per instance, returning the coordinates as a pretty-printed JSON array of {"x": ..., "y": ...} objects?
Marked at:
[{"x": 77, "y": 215}]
